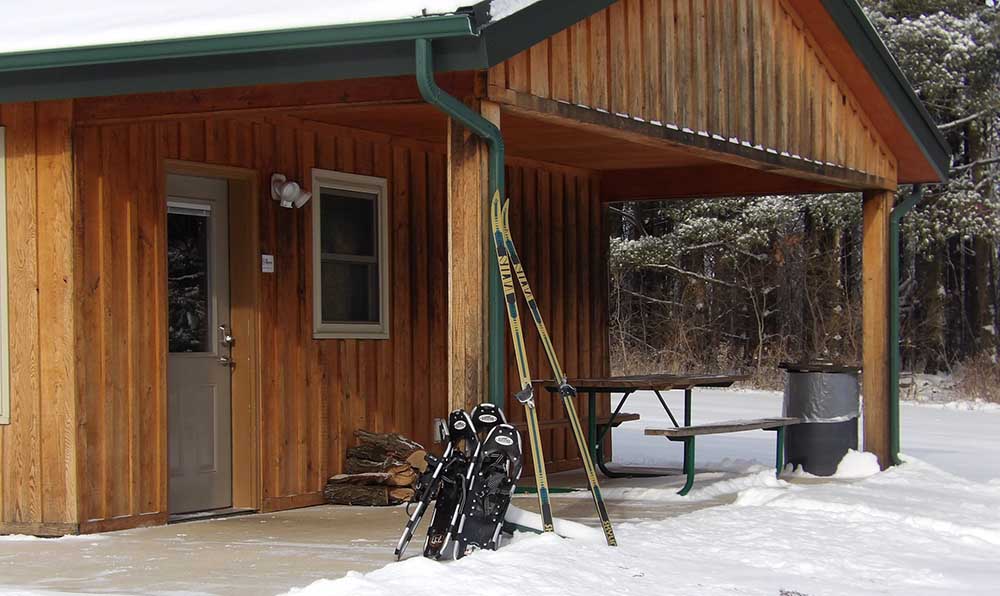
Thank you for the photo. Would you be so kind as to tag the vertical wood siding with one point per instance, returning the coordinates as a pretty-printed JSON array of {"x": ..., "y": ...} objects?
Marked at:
[
  {"x": 38, "y": 448},
  {"x": 314, "y": 393},
  {"x": 747, "y": 71}
]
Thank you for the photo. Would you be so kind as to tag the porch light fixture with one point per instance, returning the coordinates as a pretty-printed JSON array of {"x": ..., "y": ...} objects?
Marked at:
[{"x": 288, "y": 192}]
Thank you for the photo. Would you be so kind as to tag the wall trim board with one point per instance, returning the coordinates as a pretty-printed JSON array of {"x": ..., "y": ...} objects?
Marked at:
[
  {"x": 292, "y": 502},
  {"x": 44, "y": 529},
  {"x": 123, "y": 523}
]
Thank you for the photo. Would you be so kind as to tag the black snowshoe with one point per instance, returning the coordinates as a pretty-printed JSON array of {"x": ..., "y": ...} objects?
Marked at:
[
  {"x": 492, "y": 485},
  {"x": 443, "y": 482}
]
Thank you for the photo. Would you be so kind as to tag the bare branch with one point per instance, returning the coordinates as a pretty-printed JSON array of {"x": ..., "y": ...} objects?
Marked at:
[
  {"x": 975, "y": 164},
  {"x": 969, "y": 118}
]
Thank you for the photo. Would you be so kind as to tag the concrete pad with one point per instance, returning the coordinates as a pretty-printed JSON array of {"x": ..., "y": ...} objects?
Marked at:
[{"x": 264, "y": 554}]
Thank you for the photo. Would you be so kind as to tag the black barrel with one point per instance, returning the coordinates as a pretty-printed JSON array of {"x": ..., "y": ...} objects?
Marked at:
[{"x": 826, "y": 398}]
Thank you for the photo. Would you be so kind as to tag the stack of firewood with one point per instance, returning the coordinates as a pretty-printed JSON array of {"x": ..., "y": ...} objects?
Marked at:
[{"x": 381, "y": 470}]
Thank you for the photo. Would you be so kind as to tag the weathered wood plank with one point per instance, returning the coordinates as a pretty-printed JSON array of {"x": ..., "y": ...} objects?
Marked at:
[
  {"x": 56, "y": 287},
  {"x": 22, "y": 439}
]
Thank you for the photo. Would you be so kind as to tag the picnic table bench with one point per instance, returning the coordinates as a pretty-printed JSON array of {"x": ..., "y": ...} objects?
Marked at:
[
  {"x": 599, "y": 426},
  {"x": 687, "y": 434}
]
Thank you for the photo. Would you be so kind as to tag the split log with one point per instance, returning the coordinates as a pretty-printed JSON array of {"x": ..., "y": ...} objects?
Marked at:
[
  {"x": 407, "y": 477},
  {"x": 400, "y": 495},
  {"x": 381, "y": 446},
  {"x": 418, "y": 460},
  {"x": 368, "y": 479},
  {"x": 377, "y": 496},
  {"x": 367, "y": 466}
]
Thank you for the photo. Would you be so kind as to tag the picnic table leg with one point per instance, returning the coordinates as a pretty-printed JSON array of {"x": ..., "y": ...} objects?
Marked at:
[
  {"x": 592, "y": 426},
  {"x": 688, "y": 466},
  {"x": 779, "y": 459},
  {"x": 665, "y": 407},
  {"x": 687, "y": 422}
]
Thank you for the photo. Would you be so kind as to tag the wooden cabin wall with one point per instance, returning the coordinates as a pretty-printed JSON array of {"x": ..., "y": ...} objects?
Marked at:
[
  {"x": 747, "y": 71},
  {"x": 556, "y": 220},
  {"x": 38, "y": 448},
  {"x": 314, "y": 393}
]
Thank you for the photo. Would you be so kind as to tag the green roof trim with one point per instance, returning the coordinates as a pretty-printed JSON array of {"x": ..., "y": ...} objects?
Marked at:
[{"x": 435, "y": 27}]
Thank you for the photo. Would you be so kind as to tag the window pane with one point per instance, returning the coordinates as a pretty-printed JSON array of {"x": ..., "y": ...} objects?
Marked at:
[
  {"x": 350, "y": 292},
  {"x": 187, "y": 283},
  {"x": 348, "y": 223}
]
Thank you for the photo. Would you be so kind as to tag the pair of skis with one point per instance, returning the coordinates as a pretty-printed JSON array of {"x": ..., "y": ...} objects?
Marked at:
[
  {"x": 471, "y": 485},
  {"x": 509, "y": 265}
]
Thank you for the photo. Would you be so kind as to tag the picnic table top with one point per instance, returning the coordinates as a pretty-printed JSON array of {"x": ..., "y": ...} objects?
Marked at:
[{"x": 658, "y": 382}]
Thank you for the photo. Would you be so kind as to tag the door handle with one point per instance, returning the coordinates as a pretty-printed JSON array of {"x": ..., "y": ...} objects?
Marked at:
[
  {"x": 226, "y": 361},
  {"x": 225, "y": 337}
]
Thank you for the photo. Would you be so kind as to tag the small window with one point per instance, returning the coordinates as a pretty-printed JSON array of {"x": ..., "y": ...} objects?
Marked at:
[
  {"x": 4, "y": 329},
  {"x": 350, "y": 248}
]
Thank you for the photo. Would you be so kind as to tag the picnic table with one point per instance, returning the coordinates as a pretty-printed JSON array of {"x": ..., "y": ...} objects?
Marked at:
[{"x": 627, "y": 385}]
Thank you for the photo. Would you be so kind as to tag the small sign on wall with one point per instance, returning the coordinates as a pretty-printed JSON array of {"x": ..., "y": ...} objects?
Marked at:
[{"x": 267, "y": 263}]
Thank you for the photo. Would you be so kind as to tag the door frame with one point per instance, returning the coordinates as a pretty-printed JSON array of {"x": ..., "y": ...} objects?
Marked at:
[{"x": 244, "y": 301}]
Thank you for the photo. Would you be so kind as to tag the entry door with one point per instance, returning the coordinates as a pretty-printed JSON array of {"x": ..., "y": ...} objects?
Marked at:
[{"x": 199, "y": 370}]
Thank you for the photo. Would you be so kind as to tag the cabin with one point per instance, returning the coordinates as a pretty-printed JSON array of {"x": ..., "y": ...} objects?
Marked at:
[{"x": 175, "y": 339}]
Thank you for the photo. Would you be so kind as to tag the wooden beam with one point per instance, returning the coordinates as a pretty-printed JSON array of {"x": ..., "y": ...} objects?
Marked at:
[
  {"x": 664, "y": 137},
  {"x": 721, "y": 180},
  {"x": 875, "y": 320},
  {"x": 468, "y": 216},
  {"x": 379, "y": 90}
]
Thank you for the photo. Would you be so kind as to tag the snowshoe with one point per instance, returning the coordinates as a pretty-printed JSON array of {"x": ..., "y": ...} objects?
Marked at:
[
  {"x": 495, "y": 477},
  {"x": 430, "y": 485}
]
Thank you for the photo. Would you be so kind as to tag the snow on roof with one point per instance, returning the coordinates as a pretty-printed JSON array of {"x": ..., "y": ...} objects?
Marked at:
[{"x": 34, "y": 25}]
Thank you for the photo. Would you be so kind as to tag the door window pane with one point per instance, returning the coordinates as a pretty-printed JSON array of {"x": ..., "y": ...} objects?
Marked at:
[{"x": 188, "y": 309}]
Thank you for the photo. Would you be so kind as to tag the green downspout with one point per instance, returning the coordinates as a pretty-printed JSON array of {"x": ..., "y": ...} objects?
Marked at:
[
  {"x": 436, "y": 96},
  {"x": 898, "y": 212}
]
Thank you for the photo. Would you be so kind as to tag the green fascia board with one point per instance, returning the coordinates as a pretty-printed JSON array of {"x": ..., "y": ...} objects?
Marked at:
[
  {"x": 871, "y": 50},
  {"x": 234, "y": 70},
  {"x": 436, "y": 27}
]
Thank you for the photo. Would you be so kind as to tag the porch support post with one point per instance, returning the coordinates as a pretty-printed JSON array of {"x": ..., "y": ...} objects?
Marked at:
[
  {"x": 875, "y": 322},
  {"x": 468, "y": 261}
]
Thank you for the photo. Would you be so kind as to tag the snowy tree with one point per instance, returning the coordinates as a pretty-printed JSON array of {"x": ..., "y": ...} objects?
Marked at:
[{"x": 761, "y": 279}]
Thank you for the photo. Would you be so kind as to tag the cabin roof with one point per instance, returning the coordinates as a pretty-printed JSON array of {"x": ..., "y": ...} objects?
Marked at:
[
  {"x": 130, "y": 47},
  {"x": 46, "y": 25}
]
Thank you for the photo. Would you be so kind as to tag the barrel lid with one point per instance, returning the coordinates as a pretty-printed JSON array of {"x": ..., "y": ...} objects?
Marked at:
[{"x": 820, "y": 366}]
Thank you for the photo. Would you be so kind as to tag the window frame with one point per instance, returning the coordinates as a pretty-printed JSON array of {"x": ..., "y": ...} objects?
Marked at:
[
  {"x": 370, "y": 185},
  {"x": 4, "y": 288}
]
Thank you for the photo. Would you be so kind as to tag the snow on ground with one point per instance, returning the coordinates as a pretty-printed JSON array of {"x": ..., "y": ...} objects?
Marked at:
[
  {"x": 915, "y": 529},
  {"x": 48, "y": 24}
]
